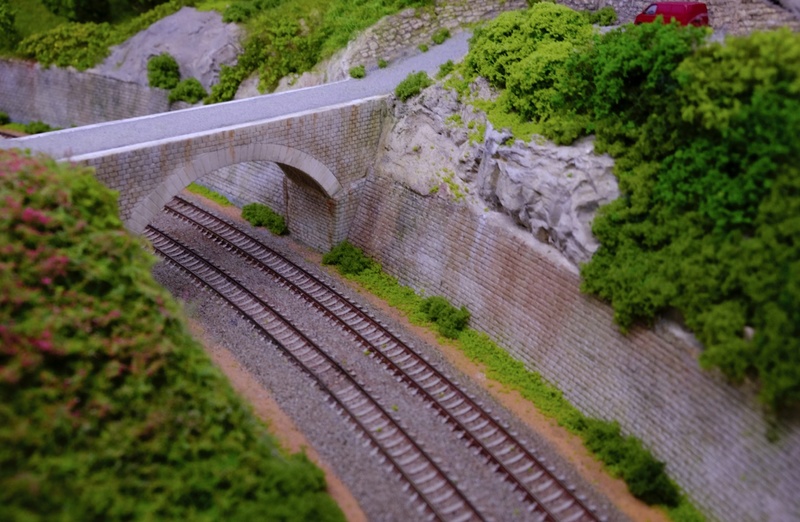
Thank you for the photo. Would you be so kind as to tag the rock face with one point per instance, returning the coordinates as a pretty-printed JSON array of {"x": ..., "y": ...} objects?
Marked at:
[
  {"x": 552, "y": 191},
  {"x": 199, "y": 41},
  {"x": 436, "y": 147}
]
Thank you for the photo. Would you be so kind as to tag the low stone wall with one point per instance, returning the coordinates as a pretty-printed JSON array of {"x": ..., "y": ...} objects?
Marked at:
[
  {"x": 712, "y": 435},
  {"x": 70, "y": 98}
]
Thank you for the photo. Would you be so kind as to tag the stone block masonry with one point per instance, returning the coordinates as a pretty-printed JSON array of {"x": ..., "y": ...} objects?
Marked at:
[
  {"x": 712, "y": 435},
  {"x": 322, "y": 155},
  {"x": 69, "y": 98}
]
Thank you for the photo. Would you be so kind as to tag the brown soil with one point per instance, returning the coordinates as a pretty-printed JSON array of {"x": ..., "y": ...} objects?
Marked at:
[{"x": 568, "y": 445}]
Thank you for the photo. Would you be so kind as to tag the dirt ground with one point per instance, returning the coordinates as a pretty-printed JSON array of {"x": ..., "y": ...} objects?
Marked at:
[{"x": 568, "y": 445}]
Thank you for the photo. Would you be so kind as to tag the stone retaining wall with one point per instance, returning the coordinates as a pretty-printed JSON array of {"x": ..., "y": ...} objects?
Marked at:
[
  {"x": 713, "y": 436},
  {"x": 254, "y": 182},
  {"x": 69, "y": 98}
]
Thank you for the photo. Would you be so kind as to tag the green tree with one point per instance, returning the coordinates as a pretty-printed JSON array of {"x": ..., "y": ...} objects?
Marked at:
[
  {"x": 8, "y": 32},
  {"x": 80, "y": 10}
]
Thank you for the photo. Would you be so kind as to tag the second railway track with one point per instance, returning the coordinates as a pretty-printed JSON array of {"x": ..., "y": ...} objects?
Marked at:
[{"x": 547, "y": 494}]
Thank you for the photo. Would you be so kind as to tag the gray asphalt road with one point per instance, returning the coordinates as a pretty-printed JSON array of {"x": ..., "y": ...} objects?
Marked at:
[{"x": 124, "y": 133}]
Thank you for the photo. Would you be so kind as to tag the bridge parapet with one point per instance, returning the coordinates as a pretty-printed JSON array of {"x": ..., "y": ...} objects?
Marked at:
[{"x": 324, "y": 153}]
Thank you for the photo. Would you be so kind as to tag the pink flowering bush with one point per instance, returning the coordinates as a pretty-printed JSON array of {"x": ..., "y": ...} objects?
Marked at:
[{"x": 108, "y": 409}]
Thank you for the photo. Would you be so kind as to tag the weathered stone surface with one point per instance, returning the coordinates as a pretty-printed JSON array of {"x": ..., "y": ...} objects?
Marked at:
[
  {"x": 552, "y": 191},
  {"x": 199, "y": 41},
  {"x": 436, "y": 146}
]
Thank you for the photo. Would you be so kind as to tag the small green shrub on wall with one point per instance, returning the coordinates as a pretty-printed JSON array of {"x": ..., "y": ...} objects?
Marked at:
[
  {"x": 189, "y": 90},
  {"x": 604, "y": 16},
  {"x": 163, "y": 71},
  {"x": 440, "y": 36},
  {"x": 358, "y": 72},
  {"x": 412, "y": 85},
  {"x": 262, "y": 216}
]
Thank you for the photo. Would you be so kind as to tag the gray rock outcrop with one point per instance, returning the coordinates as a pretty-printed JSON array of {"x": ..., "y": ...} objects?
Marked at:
[
  {"x": 436, "y": 148},
  {"x": 199, "y": 41},
  {"x": 553, "y": 191}
]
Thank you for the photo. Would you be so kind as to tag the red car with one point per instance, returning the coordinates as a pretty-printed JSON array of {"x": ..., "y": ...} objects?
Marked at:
[{"x": 686, "y": 13}]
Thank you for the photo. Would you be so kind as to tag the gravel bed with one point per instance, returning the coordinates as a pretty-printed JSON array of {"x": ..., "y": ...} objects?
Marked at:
[{"x": 331, "y": 435}]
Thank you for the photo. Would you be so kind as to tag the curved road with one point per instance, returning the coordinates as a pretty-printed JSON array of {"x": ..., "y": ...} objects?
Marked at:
[{"x": 123, "y": 133}]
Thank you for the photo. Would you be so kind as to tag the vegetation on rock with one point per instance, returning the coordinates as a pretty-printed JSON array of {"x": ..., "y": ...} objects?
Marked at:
[
  {"x": 109, "y": 410},
  {"x": 412, "y": 85},
  {"x": 189, "y": 90},
  {"x": 163, "y": 71}
]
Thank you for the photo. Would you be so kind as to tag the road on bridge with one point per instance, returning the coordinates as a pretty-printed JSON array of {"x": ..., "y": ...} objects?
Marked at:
[{"x": 92, "y": 139}]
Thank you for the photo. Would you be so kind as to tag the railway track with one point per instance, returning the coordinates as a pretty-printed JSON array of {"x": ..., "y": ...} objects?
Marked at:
[
  {"x": 545, "y": 492},
  {"x": 437, "y": 496}
]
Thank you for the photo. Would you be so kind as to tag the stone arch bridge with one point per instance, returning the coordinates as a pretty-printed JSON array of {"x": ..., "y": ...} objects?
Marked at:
[{"x": 324, "y": 153}]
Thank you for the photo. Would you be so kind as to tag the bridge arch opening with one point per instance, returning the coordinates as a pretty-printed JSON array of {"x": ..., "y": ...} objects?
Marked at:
[{"x": 297, "y": 165}]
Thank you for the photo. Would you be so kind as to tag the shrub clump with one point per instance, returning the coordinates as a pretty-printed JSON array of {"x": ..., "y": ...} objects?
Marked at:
[
  {"x": 349, "y": 259},
  {"x": 449, "y": 320},
  {"x": 109, "y": 410},
  {"x": 604, "y": 16},
  {"x": 189, "y": 90},
  {"x": 412, "y": 85},
  {"x": 163, "y": 71},
  {"x": 358, "y": 72},
  {"x": 4, "y": 119},
  {"x": 440, "y": 36},
  {"x": 626, "y": 457},
  {"x": 445, "y": 69},
  {"x": 37, "y": 127},
  {"x": 262, "y": 216}
]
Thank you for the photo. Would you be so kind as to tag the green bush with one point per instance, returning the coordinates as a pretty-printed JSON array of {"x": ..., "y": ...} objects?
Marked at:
[
  {"x": 449, "y": 320},
  {"x": 348, "y": 259},
  {"x": 626, "y": 457},
  {"x": 4, "y": 119},
  {"x": 84, "y": 45},
  {"x": 37, "y": 127},
  {"x": 262, "y": 216},
  {"x": 109, "y": 410},
  {"x": 358, "y": 72},
  {"x": 440, "y": 36},
  {"x": 189, "y": 90},
  {"x": 382, "y": 63},
  {"x": 163, "y": 71},
  {"x": 604, "y": 16},
  {"x": 498, "y": 47},
  {"x": 445, "y": 69},
  {"x": 73, "y": 44},
  {"x": 80, "y": 10},
  {"x": 9, "y": 37},
  {"x": 710, "y": 186},
  {"x": 423, "y": 47},
  {"x": 412, "y": 85},
  {"x": 237, "y": 13}
]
